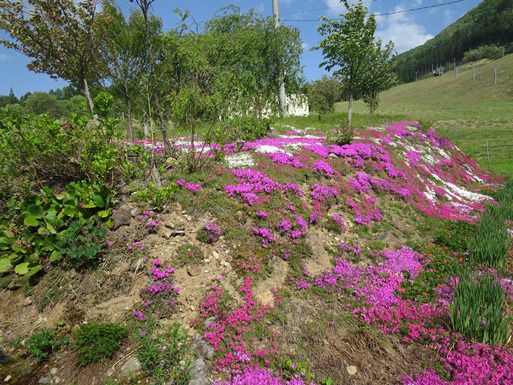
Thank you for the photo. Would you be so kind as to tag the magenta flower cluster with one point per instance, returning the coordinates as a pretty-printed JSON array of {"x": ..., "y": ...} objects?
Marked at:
[
  {"x": 213, "y": 231},
  {"x": 226, "y": 334},
  {"x": 322, "y": 193},
  {"x": 160, "y": 296},
  {"x": 283, "y": 158},
  {"x": 323, "y": 168},
  {"x": 258, "y": 376},
  {"x": 192, "y": 187},
  {"x": 251, "y": 183}
]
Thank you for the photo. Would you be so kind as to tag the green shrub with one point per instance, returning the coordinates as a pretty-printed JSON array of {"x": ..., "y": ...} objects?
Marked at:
[
  {"x": 166, "y": 358},
  {"x": 454, "y": 235},
  {"x": 478, "y": 309},
  {"x": 156, "y": 198},
  {"x": 483, "y": 52},
  {"x": 81, "y": 241},
  {"x": 37, "y": 151},
  {"x": 437, "y": 271},
  {"x": 490, "y": 244},
  {"x": 342, "y": 136},
  {"x": 96, "y": 342},
  {"x": 242, "y": 128},
  {"x": 55, "y": 225},
  {"x": 43, "y": 343}
]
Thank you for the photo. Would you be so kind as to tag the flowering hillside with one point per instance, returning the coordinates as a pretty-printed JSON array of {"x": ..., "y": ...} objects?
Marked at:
[{"x": 297, "y": 261}]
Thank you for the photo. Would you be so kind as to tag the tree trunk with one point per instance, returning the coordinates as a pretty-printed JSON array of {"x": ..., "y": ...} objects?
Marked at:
[
  {"x": 130, "y": 132},
  {"x": 88, "y": 96},
  {"x": 350, "y": 111}
]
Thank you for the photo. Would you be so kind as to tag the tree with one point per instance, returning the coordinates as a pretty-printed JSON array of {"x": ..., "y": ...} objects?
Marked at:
[
  {"x": 379, "y": 75},
  {"x": 256, "y": 56},
  {"x": 8, "y": 99},
  {"x": 39, "y": 103},
  {"x": 324, "y": 93},
  {"x": 61, "y": 37},
  {"x": 124, "y": 50},
  {"x": 347, "y": 45}
]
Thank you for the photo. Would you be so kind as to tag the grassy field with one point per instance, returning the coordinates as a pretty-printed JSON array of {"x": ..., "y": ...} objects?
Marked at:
[{"x": 473, "y": 113}]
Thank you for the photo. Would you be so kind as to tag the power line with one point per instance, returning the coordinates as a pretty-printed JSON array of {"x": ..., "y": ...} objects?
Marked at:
[
  {"x": 386, "y": 13},
  {"x": 320, "y": 9}
]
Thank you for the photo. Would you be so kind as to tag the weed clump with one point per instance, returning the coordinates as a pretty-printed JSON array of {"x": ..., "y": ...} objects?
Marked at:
[
  {"x": 478, "y": 309},
  {"x": 188, "y": 254},
  {"x": 491, "y": 242},
  {"x": 43, "y": 343},
  {"x": 166, "y": 357},
  {"x": 96, "y": 341}
]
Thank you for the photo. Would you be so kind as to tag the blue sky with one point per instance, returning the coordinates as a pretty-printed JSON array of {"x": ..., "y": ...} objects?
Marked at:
[{"x": 407, "y": 30}]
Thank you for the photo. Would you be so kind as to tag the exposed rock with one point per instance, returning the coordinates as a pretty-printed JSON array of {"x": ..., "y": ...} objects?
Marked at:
[
  {"x": 199, "y": 373},
  {"x": 176, "y": 233},
  {"x": 137, "y": 265},
  {"x": 27, "y": 301},
  {"x": 194, "y": 270},
  {"x": 210, "y": 321},
  {"x": 121, "y": 217},
  {"x": 8, "y": 378},
  {"x": 131, "y": 367},
  {"x": 53, "y": 371},
  {"x": 202, "y": 348},
  {"x": 45, "y": 380},
  {"x": 351, "y": 370}
]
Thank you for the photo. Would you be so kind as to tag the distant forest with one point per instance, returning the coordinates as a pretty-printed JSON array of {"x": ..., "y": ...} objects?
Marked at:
[{"x": 491, "y": 22}]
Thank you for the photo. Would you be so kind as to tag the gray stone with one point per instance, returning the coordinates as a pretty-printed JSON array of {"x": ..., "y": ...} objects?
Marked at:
[
  {"x": 202, "y": 348},
  {"x": 53, "y": 371},
  {"x": 45, "y": 380},
  {"x": 8, "y": 378},
  {"x": 210, "y": 321},
  {"x": 351, "y": 370},
  {"x": 137, "y": 265},
  {"x": 121, "y": 217},
  {"x": 131, "y": 367},
  {"x": 134, "y": 212},
  {"x": 199, "y": 373},
  {"x": 194, "y": 270}
]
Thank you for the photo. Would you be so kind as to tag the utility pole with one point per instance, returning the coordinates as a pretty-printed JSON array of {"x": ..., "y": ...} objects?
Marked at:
[{"x": 283, "y": 94}]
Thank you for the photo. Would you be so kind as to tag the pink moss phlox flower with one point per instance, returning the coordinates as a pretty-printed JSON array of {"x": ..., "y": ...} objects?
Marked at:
[
  {"x": 138, "y": 315},
  {"x": 413, "y": 157},
  {"x": 226, "y": 334},
  {"x": 266, "y": 235},
  {"x": 323, "y": 168},
  {"x": 192, "y": 187},
  {"x": 257, "y": 376},
  {"x": 262, "y": 214},
  {"x": 282, "y": 158},
  {"x": 321, "y": 193},
  {"x": 213, "y": 231}
]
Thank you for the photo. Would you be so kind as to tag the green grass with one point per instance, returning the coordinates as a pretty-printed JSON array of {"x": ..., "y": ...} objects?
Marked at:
[
  {"x": 96, "y": 342},
  {"x": 469, "y": 112},
  {"x": 329, "y": 121}
]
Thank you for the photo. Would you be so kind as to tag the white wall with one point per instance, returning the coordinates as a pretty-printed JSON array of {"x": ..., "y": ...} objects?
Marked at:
[{"x": 298, "y": 105}]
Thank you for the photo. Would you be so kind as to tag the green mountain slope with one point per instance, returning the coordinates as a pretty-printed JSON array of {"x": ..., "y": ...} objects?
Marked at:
[
  {"x": 470, "y": 112},
  {"x": 491, "y": 22}
]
